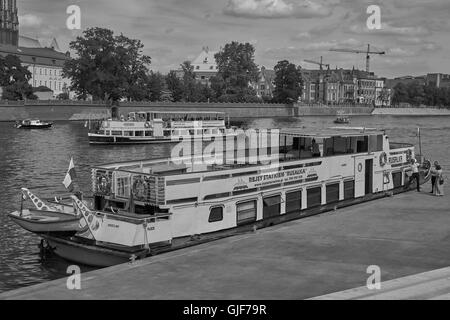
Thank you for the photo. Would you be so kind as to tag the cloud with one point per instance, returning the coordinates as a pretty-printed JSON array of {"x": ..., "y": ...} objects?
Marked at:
[
  {"x": 279, "y": 8},
  {"x": 30, "y": 20}
]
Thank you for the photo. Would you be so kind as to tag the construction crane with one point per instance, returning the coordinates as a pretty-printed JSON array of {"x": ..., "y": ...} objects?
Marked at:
[
  {"x": 368, "y": 53},
  {"x": 318, "y": 63}
]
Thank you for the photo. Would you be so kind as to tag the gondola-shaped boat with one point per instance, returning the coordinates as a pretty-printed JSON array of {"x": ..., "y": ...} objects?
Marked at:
[
  {"x": 46, "y": 217},
  {"x": 39, "y": 221}
]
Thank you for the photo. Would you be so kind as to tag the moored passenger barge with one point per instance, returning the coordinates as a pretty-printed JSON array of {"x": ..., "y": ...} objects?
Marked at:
[
  {"x": 158, "y": 127},
  {"x": 152, "y": 206}
]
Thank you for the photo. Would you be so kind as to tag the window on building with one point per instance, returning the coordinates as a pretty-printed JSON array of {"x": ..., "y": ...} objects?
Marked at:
[{"x": 215, "y": 214}]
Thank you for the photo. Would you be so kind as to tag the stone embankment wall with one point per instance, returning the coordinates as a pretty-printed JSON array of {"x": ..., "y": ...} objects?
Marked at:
[
  {"x": 77, "y": 111},
  {"x": 332, "y": 111},
  {"x": 412, "y": 111},
  {"x": 80, "y": 110}
]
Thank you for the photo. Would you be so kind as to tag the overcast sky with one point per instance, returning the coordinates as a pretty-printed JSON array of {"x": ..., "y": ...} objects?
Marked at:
[{"x": 415, "y": 33}]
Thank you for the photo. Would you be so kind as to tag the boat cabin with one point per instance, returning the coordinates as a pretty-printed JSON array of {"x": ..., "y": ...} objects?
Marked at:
[
  {"x": 140, "y": 126},
  {"x": 149, "y": 186}
]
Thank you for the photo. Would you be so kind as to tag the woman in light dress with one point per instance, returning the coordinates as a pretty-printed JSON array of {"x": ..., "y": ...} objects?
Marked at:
[{"x": 438, "y": 189}]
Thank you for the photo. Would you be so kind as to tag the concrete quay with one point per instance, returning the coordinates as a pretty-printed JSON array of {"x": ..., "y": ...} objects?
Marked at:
[{"x": 404, "y": 235}]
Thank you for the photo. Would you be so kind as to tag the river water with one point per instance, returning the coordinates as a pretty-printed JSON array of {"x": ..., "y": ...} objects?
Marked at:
[{"x": 38, "y": 160}]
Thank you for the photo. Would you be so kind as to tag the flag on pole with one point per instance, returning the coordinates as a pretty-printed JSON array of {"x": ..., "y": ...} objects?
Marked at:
[{"x": 70, "y": 176}]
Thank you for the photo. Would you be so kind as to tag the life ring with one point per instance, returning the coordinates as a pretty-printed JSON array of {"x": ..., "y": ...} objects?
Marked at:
[
  {"x": 103, "y": 184},
  {"x": 147, "y": 124},
  {"x": 383, "y": 159},
  {"x": 360, "y": 167},
  {"x": 139, "y": 189}
]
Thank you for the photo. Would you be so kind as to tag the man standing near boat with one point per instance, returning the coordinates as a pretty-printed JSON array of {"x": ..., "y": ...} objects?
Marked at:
[{"x": 415, "y": 174}]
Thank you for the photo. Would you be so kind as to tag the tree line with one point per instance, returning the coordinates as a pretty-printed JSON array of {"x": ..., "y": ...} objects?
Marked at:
[
  {"x": 416, "y": 94},
  {"x": 109, "y": 67},
  {"x": 112, "y": 68}
]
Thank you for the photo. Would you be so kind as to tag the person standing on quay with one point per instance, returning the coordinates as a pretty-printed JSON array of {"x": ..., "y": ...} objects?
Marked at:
[
  {"x": 438, "y": 189},
  {"x": 415, "y": 174},
  {"x": 433, "y": 177}
]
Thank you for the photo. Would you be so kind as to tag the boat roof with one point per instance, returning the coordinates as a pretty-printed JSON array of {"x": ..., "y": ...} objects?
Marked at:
[
  {"x": 180, "y": 112},
  {"x": 331, "y": 132}
]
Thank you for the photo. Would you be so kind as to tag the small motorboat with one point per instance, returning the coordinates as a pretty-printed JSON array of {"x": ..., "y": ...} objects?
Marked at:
[
  {"x": 342, "y": 120},
  {"x": 39, "y": 221},
  {"x": 33, "y": 124}
]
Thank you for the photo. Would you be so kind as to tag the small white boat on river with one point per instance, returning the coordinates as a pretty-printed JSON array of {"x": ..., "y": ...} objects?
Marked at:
[
  {"x": 147, "y": 207},
  {"x": 158, "y": 127}
]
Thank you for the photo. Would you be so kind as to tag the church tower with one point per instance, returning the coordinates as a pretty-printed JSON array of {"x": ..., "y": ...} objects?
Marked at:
[{"x": 9, "y": 23}]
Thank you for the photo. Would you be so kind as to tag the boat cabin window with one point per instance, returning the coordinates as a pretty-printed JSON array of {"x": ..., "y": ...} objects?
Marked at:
[
  {"x": 333, "y": 193},
  {"x": 293, "y": 201},
  {"x": 128, "y": 133},
  {"x": 304, "y": 147},
  {"x": 376, "y": 143},
  {"x": 246, "y": 212},
  {"x": 271, "y": 206},
  {"x": 216, "y": 214},
  {"x": 116, "y": 133},
  {"x": 314, "y": 197},
  {"x": 139, "y": 134},
  {"x": 349, "y": 189},
  {"x": 148, "y": 133}
]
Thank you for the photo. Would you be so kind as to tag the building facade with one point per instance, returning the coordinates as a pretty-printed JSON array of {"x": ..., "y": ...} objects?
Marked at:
[
  {"x": 205, "y": 66},
  {"x": 265, "y": 85},
  {"x": 45, "y": 62},
  {"x": 9, "y": 23},
  {"x": 334, "y": 87}
]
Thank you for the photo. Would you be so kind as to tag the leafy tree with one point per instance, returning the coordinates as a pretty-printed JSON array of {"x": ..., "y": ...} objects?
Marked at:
[
  {"x": 192, "y": 90},
  {"x": 237, "y": 69},
  {"x": 63, "y": 96},
  {"x": 14, "y": 78},
  {"x": 400, "y": 94},
  {"x": 288, "y": 82},
  {"x": 106, "y": 66},
  {"x": 175, "y": 86},
  {"x": 155, "y": 86},
  {"x": 218, "y": 86},
  {"x": 416, "y": 93}
]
